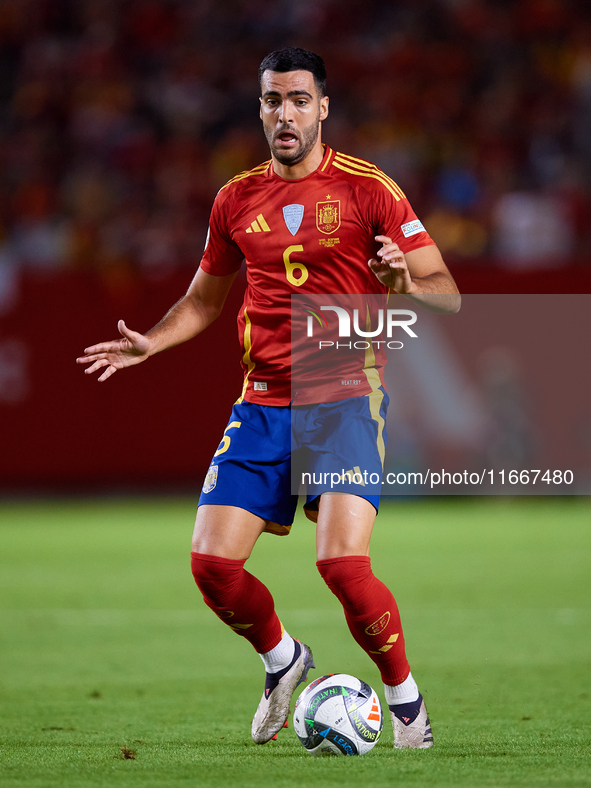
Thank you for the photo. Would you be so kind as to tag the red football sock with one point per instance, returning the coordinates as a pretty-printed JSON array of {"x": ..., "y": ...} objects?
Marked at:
[
  {"x": 371, "y": 613},
  {"x": 238, "y": 598}
]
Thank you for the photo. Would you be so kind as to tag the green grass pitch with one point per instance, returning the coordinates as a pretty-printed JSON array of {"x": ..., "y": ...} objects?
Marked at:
[{"x": 107, "y": 649}]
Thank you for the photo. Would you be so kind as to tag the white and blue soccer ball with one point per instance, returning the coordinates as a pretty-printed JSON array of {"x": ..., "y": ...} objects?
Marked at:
[{"x": 338, "y": 714}]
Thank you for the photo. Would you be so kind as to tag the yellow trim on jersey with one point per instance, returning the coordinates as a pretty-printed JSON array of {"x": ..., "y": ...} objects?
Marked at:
[
  {"x": 376, "y": 396},
  {"x": 377, "y": 175},
  {"x": 327, "y": 162},
  {"x": 365, "y": 166},
  {"x": 368, "y": 175},
  {"x": 255, "y": 171},
  {"x": 246, "y": 173},
  {"x": 368, "y": 167},
  {"x": 246, "y": 357}
]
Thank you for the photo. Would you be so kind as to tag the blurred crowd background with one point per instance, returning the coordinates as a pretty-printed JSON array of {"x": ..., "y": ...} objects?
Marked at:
[{"x": 122, "y": 118}]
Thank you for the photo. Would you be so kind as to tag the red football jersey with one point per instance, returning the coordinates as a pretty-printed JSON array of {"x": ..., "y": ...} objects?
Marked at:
[{"x": 308, "y": 236}]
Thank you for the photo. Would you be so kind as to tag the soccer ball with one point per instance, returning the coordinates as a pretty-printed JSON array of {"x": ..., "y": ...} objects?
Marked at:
[{"x": 338, "y": 715}]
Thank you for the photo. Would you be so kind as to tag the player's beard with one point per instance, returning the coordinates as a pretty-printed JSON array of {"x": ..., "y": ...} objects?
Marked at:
[{"x": 307, "y": 140}]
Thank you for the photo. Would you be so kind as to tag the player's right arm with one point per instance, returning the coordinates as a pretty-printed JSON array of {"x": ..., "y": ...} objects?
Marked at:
[{"x": 195, "y": 311}]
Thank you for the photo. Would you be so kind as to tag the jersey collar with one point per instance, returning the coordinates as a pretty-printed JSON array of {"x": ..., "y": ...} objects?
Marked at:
[{"x": 328, "y": 155}]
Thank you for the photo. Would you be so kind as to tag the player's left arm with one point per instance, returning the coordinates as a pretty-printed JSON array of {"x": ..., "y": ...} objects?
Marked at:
[{"x": 420, "y": 275}]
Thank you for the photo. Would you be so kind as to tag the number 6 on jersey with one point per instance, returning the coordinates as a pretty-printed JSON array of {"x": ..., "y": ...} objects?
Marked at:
[{"x": 291, "y": 267}]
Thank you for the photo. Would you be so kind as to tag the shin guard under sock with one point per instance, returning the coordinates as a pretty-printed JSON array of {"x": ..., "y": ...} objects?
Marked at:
[
  {"x": 371, "y": 613},
  {"x": 238, "y": 598}
]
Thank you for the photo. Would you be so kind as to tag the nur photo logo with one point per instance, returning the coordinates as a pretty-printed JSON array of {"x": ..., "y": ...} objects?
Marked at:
[{"x": 349, "y": 324}]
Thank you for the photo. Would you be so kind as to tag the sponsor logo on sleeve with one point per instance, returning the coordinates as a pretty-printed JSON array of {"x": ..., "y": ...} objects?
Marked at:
[{"x": 412, "y": 228}]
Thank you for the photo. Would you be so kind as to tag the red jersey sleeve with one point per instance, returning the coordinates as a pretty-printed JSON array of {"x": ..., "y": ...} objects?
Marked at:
[
  {"x": 395, "y": 218},
  {"x": 221, "y": 255}
]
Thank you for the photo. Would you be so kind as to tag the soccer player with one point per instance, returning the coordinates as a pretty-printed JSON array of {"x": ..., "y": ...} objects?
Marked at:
[{"x": 311, "y": 221}]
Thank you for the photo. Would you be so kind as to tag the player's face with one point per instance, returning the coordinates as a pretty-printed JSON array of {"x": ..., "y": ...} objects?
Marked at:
[{"x": 291, "y": 110}]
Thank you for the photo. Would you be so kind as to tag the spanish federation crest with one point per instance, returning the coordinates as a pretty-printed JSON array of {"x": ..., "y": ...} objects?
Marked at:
[
  {"x": 211, "y": 479},
  {"x": 328, "y": 216},
  {"x": 293, "y": 215},
  {"x": 379, "y": 625}
]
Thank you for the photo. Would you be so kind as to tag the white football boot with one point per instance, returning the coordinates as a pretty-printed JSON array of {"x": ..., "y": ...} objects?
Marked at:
[
  {"x": 273, "y": 709},
  {"x": 413, "y": 731}
]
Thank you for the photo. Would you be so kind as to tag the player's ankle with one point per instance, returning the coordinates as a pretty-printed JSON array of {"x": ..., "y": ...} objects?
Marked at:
[
  {"x": 406, "y": 692},
  {"x": 280, "y": 657}
]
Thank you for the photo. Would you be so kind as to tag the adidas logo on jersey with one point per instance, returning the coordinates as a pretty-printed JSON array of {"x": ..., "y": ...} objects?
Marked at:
[{"x": 259, "y": 225}]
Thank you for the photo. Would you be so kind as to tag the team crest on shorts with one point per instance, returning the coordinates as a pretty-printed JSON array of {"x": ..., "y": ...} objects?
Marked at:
[
  {"x": 328, "y": 216},
  {"x": 211, "y": 479}
]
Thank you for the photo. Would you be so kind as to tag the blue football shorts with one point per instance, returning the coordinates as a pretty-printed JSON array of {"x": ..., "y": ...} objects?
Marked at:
[{"x": 269, "y": 453}]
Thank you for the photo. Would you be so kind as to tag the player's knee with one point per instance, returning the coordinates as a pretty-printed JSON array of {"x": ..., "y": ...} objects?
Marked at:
[
  {"x": 217, "y": 578},
  {"x": 346, "y": 576}
]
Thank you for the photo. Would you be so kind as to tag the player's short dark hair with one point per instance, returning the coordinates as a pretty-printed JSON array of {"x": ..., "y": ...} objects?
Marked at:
[{"x": 296, "y": 59}]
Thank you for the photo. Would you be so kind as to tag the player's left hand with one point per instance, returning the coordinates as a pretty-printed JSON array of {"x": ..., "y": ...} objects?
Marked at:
[{"x": 391, "y": 268}]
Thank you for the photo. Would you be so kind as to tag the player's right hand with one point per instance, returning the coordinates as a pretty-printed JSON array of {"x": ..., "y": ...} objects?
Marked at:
[{"x": 118, "y": 354}]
